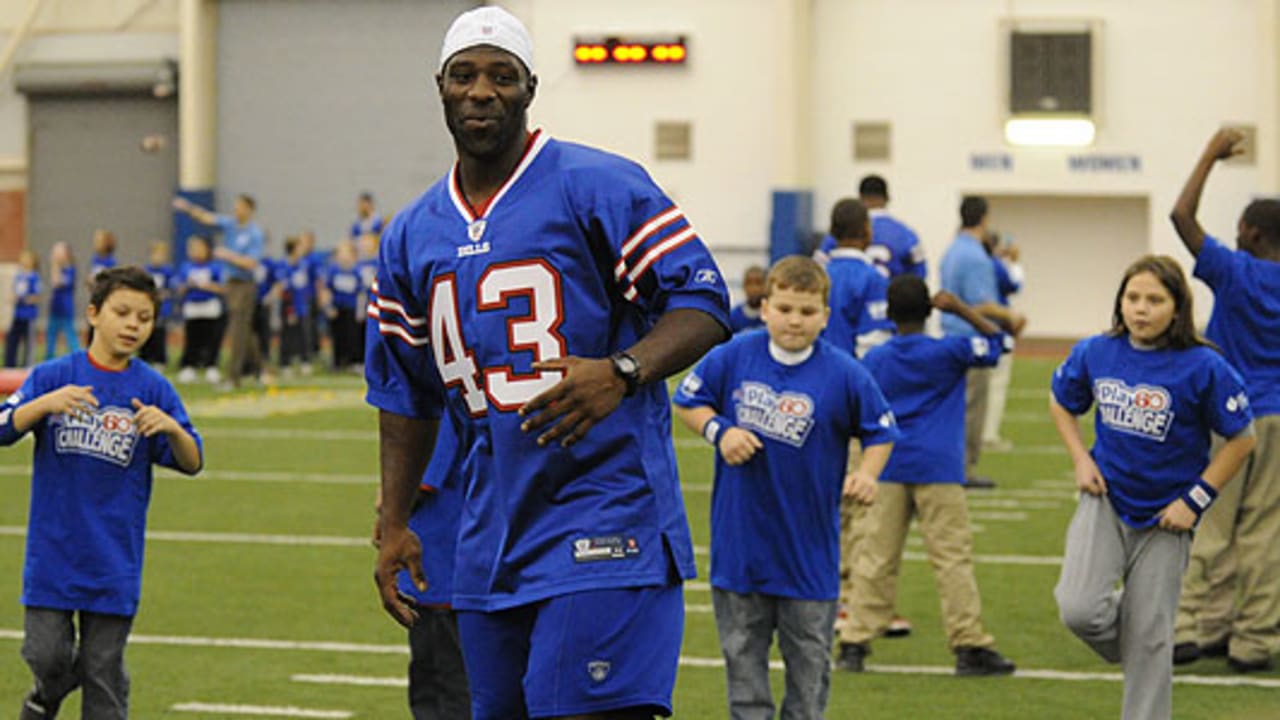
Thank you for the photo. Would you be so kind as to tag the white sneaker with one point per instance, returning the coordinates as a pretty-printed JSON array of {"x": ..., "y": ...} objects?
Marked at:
[
  {"x": 187, "y": 375},
  {"x": 212, "y": 376}
]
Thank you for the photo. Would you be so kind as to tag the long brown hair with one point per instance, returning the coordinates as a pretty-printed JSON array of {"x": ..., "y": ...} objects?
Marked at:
[{"x": 1181, "y": 333}]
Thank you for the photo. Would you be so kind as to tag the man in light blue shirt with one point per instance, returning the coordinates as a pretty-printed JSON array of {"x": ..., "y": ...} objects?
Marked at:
[
  {"x": 243, "y": 244},
  {"x": 968, "y": 274}
]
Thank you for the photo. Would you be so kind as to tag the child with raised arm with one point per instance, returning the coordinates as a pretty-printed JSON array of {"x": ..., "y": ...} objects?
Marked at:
[
  {"x": 101, "y": 419},
  {"x": 923, "y": 378},
  {"x": 780, "y": 408},
  {"x": 1161, "y": 391},
  {"x": 1231, "y": 591}
]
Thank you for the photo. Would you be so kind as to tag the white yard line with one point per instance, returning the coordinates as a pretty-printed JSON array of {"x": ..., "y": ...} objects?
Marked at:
[
  {"x": 231, "y": 538},
  {"x": 260, "y": 710},
  {"x": 403, "y": 649},
  {"x": 266, "y": 476},
  {"x": 287, "y": 433}
]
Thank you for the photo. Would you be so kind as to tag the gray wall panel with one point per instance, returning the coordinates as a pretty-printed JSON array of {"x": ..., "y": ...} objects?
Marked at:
[{"x": 320, "y": 99}]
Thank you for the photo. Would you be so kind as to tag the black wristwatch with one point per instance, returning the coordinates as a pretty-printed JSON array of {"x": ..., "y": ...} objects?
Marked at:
[{"x": 626, "y": 367}]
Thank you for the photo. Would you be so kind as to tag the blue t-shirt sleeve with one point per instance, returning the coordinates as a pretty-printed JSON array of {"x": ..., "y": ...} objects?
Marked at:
[
  {"x": 38, "y": 383},
  {"x": 660, "y": 263},
  {"x": 1228, "y": 406},
  {"x": 701, "y": 387},
  {"x": 225, "y": 223},
  {"x": 876, "y": 424},
  {"x": 915, "y": 263},
  {"x": 1214, "y": 264},
  {"x": 161, "y": 449},
  {"x": 399, "y": 369},
  {"x": 1072, "y": 386}
]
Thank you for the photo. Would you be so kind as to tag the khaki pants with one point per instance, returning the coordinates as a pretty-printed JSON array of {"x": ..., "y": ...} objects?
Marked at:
[
  {"x": 1232, "y": 586},
  {"x": 241, "y": 297},
  {"x": 997, "y": 394},
  {"x": 975, "y": 414},
  {"x": 882, "y": 529}
]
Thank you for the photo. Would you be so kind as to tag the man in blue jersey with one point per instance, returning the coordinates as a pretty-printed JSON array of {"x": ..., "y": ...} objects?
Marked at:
[
  {"x": 544, "y": 285},
  {"x": 967, "y": 273},
  {"x": 101, "y": 419},
  {"x": 780, "y": 408},
  {"x": 895, "y": 248},
  {"x": 1231, "y": 591},
  {"x": 923, "y": 379}
]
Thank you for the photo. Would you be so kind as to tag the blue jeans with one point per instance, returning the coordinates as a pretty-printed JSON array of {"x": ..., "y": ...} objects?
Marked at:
[{"x": 746, "y": 624}]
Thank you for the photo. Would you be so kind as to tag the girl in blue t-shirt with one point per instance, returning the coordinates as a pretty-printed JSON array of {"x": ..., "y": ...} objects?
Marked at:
[
  {"x": 62, "y": 300},
  {"x": 26, "y": 295},
  {"x": 1160, "y": 391}
]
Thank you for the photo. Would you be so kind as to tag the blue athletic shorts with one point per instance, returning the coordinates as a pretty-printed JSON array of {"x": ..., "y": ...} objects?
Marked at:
[{"x": 575, "y": 654}]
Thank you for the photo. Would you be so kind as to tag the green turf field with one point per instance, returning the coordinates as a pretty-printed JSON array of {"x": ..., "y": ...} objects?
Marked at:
[{"x": 258, "y": 584}]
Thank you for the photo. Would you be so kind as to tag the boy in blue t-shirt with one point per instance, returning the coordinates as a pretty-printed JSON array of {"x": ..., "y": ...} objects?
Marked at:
[
  {"x": 1161, "y": 391},
  {"x": 923, "y": 379},
  {"x": 200, "y": 286},
  {"x": 1231, "y": 591},
  {"x": 295, "y": 276},
  {"x": 342, "y": 289},
  {"x": 160, "y": 267},
  {"x": 746, "y": 314},
  {"x": 26, "y": 298},
  {"x": 101, "y": 420},
  {"x": 858, "y": 322},
  {"x": 780, "y": 408}
]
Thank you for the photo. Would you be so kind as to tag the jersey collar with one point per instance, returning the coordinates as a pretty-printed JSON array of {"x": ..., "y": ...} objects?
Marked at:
[{"x": 469, "y": 214}]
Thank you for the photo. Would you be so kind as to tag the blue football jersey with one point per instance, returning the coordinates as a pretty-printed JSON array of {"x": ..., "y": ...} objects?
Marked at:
[
  {"x": 435, "y": 519},
  {"x": 99, "y": 263},
  {"x": 163, "y": 276},
  {"x": 344, "y": 286},
  {"x": 198, "y": 303},
  {"x": 923, "y": 378},
  {"x": 1155, "y": 412},
  {"x": 775, "y": 519},
  {"x": 895, "y": 249},
  {"x": 577, "y": 254},
  {"x": 91, "y": 484},
  {"x": 743, "y": 318},
  {"x": 859, "y": 303},
  {"x": 1245, "y": 321},
  {"x": 63, "y": 293}
]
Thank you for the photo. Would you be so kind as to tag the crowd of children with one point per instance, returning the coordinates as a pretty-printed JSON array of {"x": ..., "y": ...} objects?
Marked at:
[{"x": 301, "y": 296}]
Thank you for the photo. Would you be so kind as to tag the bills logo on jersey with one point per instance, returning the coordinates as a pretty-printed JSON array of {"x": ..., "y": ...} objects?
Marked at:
[
  {"x": 691, "y": 384},
  {"x": 107, "y": 434},
  {"x": 1237, "y": 402},
  {"x": 599, "y": 669},
  {"x": 785, "y": 417},
  {"x": 1145, "y": 410},
  {"x": 706, "y": 276}
]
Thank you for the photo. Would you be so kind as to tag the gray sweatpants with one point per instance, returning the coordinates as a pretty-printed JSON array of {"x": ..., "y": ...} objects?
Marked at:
[
  {"x": 1132, "y": 625},
  {"x": 746, "y": 624},
  {"x": 96, "y": 665}
]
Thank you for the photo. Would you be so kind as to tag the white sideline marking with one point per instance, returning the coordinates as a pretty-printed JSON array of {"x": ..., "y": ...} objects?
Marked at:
[
  {"x": 702, "y": 662},
  {"x": 357, "y": 680},
  {"x": 269, "y": 476},
  {"x": 260, "y": 710},
  {"x": 1028, "y": 393},
  {"x": 403, "y": 649},
  {"x": 231, "y": 538},
  {"x": 1010, "y": 503},
  {"x": 1028, "y": 417},
  {"x": 998, "y": 516}
]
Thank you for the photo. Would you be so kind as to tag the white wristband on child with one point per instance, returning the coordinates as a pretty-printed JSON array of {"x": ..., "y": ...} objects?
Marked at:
[
  {"x": 1200, "y": 496},
  {"x": 714, "y": 427}
]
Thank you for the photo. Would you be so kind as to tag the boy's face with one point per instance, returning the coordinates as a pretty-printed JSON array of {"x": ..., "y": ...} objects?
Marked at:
[
  {"x": 794, "y": 318},
  {"x": 123, "y": 323},
  {"x": 753, "y": 288}
]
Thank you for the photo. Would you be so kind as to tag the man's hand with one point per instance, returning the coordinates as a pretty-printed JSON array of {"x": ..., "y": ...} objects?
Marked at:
[
  {"x": 1225, "y": 144},
  {"x": 1176, "y": 516},
  {"x": 587, "y": 392},
  {"x": 181, "y": 204},
  {"x": 738, "y": 445},
  {"x": 1089, "y": 478},
  {"x": 861, "y": 487},
  {"x": 946, "y": 301},
  {"x": 400, "y": 549}
]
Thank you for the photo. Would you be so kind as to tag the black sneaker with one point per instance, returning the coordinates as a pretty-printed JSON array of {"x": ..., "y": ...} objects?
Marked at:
[
  {"x": 852, "y": 657},
  {"x": 979, "y": 482},
  {"x": 978, "y": 661},
  {"x": 1185, "y": 653},
  {"x": 1246, "y": 666},
  {"x": 1216, "y": 650},
  {"x": 34, "y": 708},
  {"x": 898, "y": 627}
]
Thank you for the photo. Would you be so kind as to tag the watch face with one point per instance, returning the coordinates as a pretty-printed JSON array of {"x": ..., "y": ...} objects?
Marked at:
[{"x": 626, "y": 364}]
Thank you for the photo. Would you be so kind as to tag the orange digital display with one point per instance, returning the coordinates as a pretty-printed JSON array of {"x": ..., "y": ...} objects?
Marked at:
[{"x": 624, "y": 51}]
